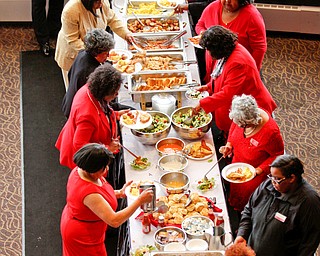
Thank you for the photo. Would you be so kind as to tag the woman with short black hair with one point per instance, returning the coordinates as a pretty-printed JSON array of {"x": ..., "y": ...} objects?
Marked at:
[{"x": 92, "y": 203}]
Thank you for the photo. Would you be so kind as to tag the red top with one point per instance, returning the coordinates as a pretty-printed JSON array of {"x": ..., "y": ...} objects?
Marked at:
[
  {"x": 83, "y": 232},
  {"x": 239, "y": 76},
  {"x": 259, "y": 150},
  {"x": 248, "y": 25},
  {"x": 87, "y": 123}
]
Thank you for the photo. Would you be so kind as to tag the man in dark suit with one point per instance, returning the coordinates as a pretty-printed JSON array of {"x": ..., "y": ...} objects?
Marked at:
[{"x": 46, "y": 25}]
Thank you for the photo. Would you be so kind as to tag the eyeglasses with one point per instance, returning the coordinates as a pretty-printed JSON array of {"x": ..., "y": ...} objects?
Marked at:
[{"x": 278, "y": 181}]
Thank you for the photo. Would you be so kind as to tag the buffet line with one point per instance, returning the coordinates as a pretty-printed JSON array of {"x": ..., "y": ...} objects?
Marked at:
[{"x": 174, "y": 158}]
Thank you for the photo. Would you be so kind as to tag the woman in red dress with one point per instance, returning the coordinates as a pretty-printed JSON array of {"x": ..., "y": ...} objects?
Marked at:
[
  {"x": 91, "y": 203},
  {"x": 255, "y": 139}
]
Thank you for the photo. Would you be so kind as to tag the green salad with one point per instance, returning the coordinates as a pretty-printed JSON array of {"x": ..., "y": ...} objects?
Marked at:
[
  {"x": 197, "y": 121},
  {"x": 204, "y": 185},
  {"x": 140, "y": 163},
  {"x": 143, "y": 250},
  {"x": 159, "y": 123}
]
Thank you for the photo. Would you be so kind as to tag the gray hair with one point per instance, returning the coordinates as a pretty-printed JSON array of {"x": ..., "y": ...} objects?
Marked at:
[
  {"x": 98, "y": 41},
  {"x": 244, "y": 110}
]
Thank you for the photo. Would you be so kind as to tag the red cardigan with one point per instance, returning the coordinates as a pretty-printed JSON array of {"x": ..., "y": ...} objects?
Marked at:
[
  {"x": 87, "y": 123},
  {"x": 248, "y": 25},
  {"x": 239, "y": 76}
]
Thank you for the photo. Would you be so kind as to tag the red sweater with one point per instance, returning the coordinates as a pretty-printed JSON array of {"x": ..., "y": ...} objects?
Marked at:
[
  {"x": 248, "y": 25},
  {"x": 259, "y": 150},
  {"x": 87, "y": 123},
  {"x": 239, "y": 76}
]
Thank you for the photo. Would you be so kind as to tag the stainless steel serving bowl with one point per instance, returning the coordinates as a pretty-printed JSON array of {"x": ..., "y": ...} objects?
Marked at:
[
  {"x": 151, "y": 138},
  {"x": 172, "y": 163},
  {"x": 170, "y": 179},
  {"x": 167, "y": 142},
  {"x": 196, "y": 226},
  {"x": 161, "y": 236},
  {"x": 190, "y": 133}
]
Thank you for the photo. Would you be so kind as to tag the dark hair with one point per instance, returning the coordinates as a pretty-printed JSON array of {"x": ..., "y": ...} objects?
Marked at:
[
  {"x": 245, "y": 2},
  {"x": 88, "y": 4},
  {"x": 93, "y": 157},
  {"x": 289, "y": 164},
  {"x": 98, "y": 41},
  {"x": 105, "y": 80},
  {"x": 219, "y": 41}
]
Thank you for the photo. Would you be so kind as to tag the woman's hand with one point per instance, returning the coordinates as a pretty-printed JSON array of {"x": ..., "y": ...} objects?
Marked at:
[
  {"x": 226, "y": 150},
  {"x": 124, "y": 111},
  {"x": 181, "y": 8},
  {"x": 239, "y": 240},
  {"x": 196, "y": 110},
  {"x": 203, "y": 88},
  {"x": 114, "y": 145},
  {"x": 129, "y": 38},
  {"x": 121, "y": 192},
  {"x": 146, "y": 196},
  {"x": 259, "y": 171}
]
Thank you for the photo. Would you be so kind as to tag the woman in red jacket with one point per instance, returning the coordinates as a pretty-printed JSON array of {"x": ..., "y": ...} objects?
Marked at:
[
  {"x": 91, "y": 118},
  {"x": 241, "y": 17},
  {"x": 235, "y": 73}
]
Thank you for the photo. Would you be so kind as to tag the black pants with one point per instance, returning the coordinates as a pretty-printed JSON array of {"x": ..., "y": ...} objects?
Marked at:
[{"x": 46, "y": 26}]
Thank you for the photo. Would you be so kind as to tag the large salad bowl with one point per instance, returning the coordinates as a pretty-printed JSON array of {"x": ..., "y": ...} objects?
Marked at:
[{"x": 188, "y": 126}]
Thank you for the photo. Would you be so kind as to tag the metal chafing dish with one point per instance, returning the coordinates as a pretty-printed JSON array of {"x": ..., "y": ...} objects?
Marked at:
[
  {"x": 153, "y": 38},
  {"x": 135, "y": 80},
  {"x": 143, "y": 8},
  {"x": 207, "y": 253},
  {"x": 157, "y": 24}
]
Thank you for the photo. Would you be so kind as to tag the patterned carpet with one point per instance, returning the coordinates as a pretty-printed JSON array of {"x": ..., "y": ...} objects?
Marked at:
[{"x": 291, "y": 73}]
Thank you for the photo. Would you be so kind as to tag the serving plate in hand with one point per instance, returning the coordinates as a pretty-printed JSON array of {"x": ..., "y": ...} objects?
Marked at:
[
  {"x": 138, "y": 124},
  {"x": 233, "y": 168}
]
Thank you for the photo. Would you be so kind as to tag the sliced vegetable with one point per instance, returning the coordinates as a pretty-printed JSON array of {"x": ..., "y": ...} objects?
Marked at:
[{"x": 204, "y": 185}]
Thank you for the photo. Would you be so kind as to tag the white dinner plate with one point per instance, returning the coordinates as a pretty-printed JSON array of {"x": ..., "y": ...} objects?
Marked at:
[
  {"x": 133, "y": 197},
  {"x": 189, "y": 146},
  {"x": 233, "y": 167},
  {"x": 138, "y": 124},
  {"x": 121, "y": 52},
  {"x": 190, "y": 94},
  {"x": 160, "y": 3},
  {"x": 193, "y": 44}
]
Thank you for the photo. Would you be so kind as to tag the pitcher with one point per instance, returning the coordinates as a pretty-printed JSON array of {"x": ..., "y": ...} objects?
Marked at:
[{"x": 217, "y": 241}]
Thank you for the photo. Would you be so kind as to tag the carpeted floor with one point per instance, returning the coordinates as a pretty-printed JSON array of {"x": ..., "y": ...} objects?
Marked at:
[
  {"x": 44, "y": 178},
  {"x": 292, "y": 74}
]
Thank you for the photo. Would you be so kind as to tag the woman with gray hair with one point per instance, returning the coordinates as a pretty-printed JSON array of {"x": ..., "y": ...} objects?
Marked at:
[
  {"x": 98, "y": 44},
  {"x": 254, "y": 138}
]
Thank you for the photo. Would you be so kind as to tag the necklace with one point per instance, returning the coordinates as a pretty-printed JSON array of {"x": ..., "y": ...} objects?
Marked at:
[{"x": 249, "y": 132}]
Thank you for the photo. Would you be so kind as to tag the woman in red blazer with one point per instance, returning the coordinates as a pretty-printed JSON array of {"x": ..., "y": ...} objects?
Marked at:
[
  {"x": 91, "y": 119},
  {"x": 235, "y": 73}
]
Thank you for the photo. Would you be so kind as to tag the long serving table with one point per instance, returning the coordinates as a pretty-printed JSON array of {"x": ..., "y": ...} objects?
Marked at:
[{"x": 195, "y": 169}]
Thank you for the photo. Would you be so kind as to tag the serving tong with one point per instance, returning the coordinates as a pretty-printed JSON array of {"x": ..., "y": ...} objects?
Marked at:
[
  {"x": 174, "y": 38},
  {"x": 183, "y": 62},
  {"x": 205, "y": 175},
  {"x": 188, "y": 85}
]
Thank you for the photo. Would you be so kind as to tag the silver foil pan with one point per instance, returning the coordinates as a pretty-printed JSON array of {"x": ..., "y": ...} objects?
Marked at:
[
  {"x": 152, "y": 39},
  {"x": 135, "y": 80}
]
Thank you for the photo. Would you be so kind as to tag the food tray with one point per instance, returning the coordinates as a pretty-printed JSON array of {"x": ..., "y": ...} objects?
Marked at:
[
  {"x": 143, "y": 8},
  {"x": 135, "y": 80},
  {"x": 155, "y": 29},
  {"x": 206, "y": 253},
  {"x": 177, "y": 45}
]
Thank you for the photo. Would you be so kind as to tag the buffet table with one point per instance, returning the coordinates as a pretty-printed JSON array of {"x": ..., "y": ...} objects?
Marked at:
[{"x": 195, "y": 169}]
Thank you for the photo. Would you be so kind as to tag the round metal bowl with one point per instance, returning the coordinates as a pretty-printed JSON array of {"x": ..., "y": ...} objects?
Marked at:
[
  {"x": 175, "y": 142},
  {"x": 190, "y": 133},
  {"x": 151, "y": 138},
  {"x": 175, "y": 182},
  {"x": 196, "y": 226},
  {"x": 172, "y": 163},
  {"x": 166, "y": 235}
]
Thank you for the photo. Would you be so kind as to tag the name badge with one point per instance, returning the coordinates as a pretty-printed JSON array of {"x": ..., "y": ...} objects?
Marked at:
[
  {"x": 254, "y": 142},
  {"x": 280, "y": 217}
]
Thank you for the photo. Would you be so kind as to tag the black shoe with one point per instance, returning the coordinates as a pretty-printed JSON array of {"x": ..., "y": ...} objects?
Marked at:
[{"x": 45, "y": 49}]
